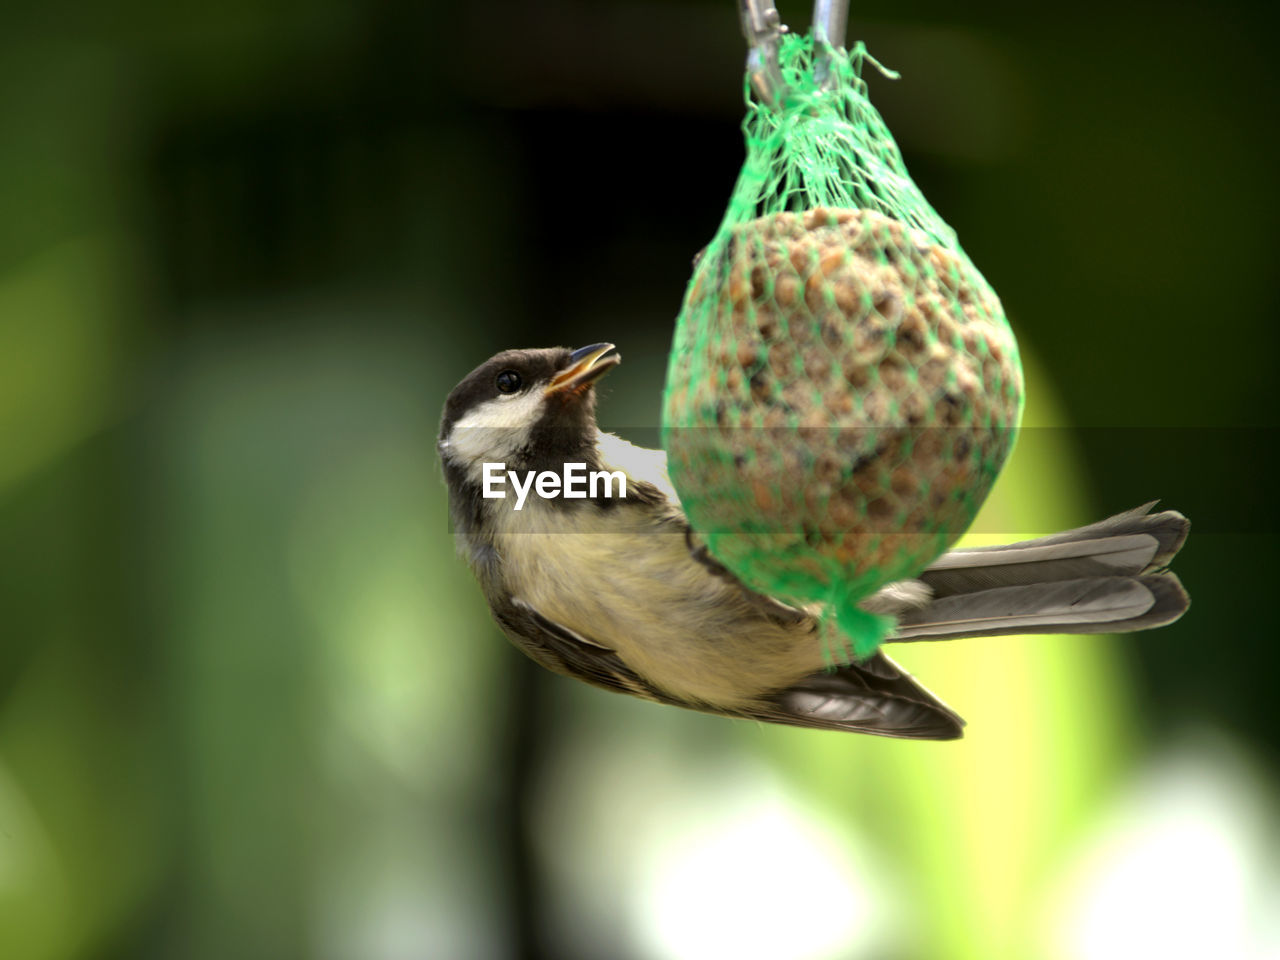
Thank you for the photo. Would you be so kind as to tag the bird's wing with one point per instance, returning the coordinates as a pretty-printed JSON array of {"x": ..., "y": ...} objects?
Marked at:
[{"x": 875, "y": 696}]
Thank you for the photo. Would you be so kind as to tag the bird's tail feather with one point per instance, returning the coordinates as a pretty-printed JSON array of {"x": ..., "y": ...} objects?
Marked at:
[{"x": 1108, "y": 577}]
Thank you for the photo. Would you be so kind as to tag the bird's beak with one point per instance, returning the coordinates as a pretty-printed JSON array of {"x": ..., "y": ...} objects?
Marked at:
[{"x": 586, "y": 366}]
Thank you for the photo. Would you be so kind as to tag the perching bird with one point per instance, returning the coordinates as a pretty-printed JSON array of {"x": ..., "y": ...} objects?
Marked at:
[{"x": 615, "y": 590}]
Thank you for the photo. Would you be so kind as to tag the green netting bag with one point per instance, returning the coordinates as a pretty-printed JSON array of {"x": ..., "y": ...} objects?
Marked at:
[{"x": 843, "y": 386}]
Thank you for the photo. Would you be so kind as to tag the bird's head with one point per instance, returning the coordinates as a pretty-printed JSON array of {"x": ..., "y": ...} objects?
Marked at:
[{"x": 529, "y": 409}]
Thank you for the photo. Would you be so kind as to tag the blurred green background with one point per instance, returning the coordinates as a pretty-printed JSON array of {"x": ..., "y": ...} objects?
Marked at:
[{"x": 252, "y": 706}]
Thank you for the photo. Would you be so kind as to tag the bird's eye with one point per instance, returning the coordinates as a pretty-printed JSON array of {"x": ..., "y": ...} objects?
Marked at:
[{"x": 508, "y": 381}]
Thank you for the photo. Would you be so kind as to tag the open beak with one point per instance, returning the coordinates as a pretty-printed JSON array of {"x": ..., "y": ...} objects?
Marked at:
[{"x": 586, "y": 366}]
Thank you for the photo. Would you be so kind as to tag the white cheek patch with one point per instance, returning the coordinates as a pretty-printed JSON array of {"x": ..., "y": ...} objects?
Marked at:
[{"x": 494, "y": 431}]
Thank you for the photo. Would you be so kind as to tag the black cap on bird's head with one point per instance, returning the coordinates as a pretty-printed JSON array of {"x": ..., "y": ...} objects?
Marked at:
[{"x": 526, "y": 406}]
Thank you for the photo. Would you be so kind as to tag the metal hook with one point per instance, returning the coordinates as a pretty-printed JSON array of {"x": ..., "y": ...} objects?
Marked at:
[
  {"x": 762, "y": 27},
  {"x": 831, "y": 22}
]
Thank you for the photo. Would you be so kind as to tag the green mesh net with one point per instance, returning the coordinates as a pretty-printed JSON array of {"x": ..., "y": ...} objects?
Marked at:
[{"x": 843, "y": 386}]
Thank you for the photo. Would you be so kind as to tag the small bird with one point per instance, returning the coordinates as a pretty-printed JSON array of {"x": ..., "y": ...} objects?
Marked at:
[{"x": 617, "y": 590}]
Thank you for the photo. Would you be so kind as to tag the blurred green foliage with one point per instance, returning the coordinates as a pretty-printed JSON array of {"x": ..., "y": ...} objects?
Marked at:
[{"x": 252, "y": 706}]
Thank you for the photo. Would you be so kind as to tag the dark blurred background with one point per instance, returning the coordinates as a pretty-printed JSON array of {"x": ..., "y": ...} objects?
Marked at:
[{"x": 251, "y": 705}]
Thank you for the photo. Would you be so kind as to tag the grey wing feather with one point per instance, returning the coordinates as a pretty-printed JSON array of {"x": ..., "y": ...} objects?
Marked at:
[
  {"x": 1130, "y": 543},
  {"x": 1108, "y": 577},
  {"x": 1098, "y": 605},
  {"x": 875, "y": 696}
]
